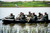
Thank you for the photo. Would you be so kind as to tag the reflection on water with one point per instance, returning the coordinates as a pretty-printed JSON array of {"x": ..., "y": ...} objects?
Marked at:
[{"x": 24, "y": 28}]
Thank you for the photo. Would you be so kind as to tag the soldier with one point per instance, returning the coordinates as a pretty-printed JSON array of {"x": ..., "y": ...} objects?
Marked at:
[
  {"x": 11, "y": 16},
  {"x": 34, "y": 17},
  {"x": 46, "y": 17},
  {"x": 29, "y": 15},
  {"x": 22, "y": 16},
  {"x": 40, "y": 17}
]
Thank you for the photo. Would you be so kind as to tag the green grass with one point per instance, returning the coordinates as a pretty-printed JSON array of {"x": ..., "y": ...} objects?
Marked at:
[{"x": 25, "y": 4}]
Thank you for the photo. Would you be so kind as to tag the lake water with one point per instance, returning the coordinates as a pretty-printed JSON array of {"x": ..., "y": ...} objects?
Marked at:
[
  {"x": 5, "y": 11},
  {"x": 25, "y": 29},
  {"x": 16, "y": 28}
]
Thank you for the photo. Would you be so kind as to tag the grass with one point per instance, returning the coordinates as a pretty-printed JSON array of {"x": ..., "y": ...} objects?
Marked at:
[{"x": 25, "y": 4}]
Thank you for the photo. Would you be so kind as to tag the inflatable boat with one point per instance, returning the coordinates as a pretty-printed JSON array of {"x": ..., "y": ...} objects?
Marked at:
[{"x": 9, "y": 21}]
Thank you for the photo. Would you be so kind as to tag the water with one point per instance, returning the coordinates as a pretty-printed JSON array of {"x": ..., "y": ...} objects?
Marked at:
[
  {"x": 5, "y": 11},
  {"x": 25, "y": 29}
]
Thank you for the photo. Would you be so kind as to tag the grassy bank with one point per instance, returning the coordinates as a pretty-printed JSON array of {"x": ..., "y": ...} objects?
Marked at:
[{"x": 25, "y": 4}]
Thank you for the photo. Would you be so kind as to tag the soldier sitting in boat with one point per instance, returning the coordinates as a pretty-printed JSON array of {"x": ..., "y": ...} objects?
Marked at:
[
  {"x": 21, "y": 16},
  {"x": 29, "y": 16},
  {"x": 46, "y": 17},
  {"x": 34, "y": 17},
  {"x": 11, "y": 16},
  {"x": 40, "y": 17}
]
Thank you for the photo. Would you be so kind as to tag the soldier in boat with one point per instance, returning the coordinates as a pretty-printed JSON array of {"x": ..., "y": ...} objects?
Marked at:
[
  {"x": 33, "y": 18},
  {"x": 40, "y": 17},
  {"x": 22, "y": 16},
  {"x": 11, "y": 16},
  {"x": 29, "y": 16},
  {"x": 46, "y": 17}
]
